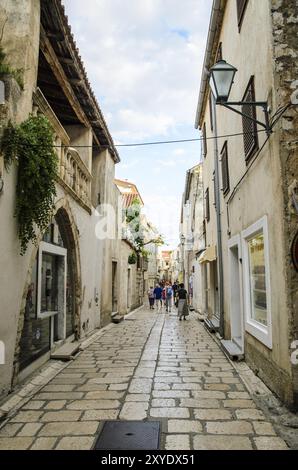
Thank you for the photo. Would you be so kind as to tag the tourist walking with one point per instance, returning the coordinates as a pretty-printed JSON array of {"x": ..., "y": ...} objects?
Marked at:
[
  {"x": 182, "y": 303},
  {"x": 169, "y": 296},
  {"x": 158, "y": 294},
  {"x": 175, "y": 288},
  {"x": 151, "y": 298},
  {"x": 163, "y": 295}
]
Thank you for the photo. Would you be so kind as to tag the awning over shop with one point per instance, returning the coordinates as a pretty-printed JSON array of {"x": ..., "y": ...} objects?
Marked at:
[{"x": 208, "y": 255}]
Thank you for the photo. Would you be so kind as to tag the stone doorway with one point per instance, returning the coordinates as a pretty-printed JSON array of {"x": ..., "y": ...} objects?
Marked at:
[{"x": 51, "y": 312}]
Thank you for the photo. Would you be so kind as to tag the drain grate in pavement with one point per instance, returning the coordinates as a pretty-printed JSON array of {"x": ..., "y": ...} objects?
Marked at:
[{"x": 129, "y": 435}]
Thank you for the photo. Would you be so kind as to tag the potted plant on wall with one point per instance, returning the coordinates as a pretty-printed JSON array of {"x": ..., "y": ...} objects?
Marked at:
[{"x": 132, "y": 259}]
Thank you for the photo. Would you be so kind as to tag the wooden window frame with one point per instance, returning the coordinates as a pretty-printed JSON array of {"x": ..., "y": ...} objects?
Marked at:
[
  {"x": 225, "y": 169},
  {"x": 241, "y": 6},
  {"x": 219, "y": 53},
  {"x": 247, "y": 124},
  {"x": 204, "y": 135},
  {"x": 261, "y": 332},
  {"x": 211, "y": 111},
  {"x": 207, "y": 205}
]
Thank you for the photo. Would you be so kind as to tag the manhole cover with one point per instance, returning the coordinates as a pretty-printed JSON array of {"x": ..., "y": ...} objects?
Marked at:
[{"x": 129, "y": 435}]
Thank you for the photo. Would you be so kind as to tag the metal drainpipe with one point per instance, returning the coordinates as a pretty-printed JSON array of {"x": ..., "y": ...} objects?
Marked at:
[{"x": 218, "y": 224}]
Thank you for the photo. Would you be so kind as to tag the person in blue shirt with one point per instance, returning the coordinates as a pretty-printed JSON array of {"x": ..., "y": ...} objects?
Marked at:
[{"x": 158, "y": 297}]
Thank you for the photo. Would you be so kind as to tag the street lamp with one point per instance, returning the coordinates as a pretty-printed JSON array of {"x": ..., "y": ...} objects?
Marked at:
[{"x": 221, "y": 80}]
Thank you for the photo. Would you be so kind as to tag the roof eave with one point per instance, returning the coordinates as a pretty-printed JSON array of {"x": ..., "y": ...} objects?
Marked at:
[{"x": 217, "y": 12}]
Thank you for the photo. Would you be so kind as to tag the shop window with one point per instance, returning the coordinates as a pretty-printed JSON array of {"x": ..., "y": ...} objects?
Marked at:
[
  {"x": 44, "y": 316},
  {"x": 36, "y": 334},
  {"x": 257, "y": 281}
]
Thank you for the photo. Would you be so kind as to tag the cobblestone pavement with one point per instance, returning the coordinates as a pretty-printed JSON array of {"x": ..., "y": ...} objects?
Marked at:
[{"x": 149, "y": 367}]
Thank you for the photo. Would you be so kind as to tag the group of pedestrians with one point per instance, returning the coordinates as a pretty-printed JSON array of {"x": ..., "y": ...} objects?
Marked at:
[{"x": 167, "y": 295}]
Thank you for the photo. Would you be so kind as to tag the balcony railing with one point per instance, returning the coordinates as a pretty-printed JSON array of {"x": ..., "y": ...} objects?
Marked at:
[{"x": 73, "y": 175}]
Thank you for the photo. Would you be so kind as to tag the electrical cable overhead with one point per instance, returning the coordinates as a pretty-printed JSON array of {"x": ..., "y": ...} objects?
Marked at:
[
  {"x": 274, "y": 119},
  {"x": 162, "y": 142}
]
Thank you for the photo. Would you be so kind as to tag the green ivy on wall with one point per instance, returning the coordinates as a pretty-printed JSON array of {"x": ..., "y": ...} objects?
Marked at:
[{"x": 30, "y": 144}]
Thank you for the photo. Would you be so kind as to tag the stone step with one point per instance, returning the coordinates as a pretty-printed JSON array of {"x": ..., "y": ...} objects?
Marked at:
[
  {"x": 117, "y": 318},
  {"x": 66, "y": 352},
  {"x": 232, "y": 350},
  {"x": 212, "y": 324}
]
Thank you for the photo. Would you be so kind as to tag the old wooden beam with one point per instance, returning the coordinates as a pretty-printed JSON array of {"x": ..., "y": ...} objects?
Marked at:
[
  {"x": 61, "y": 77},
  {"x": 66, "y": 60}
]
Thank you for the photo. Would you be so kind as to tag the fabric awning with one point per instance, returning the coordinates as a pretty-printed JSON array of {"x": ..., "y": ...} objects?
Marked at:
[{"x": 208, "y": 255}]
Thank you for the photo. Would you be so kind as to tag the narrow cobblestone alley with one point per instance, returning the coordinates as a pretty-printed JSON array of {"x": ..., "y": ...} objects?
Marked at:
[{"x": 149, "y": 367}]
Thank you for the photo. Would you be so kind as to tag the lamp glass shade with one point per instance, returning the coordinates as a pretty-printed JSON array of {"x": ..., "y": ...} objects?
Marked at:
[{"x": 221, "y": 80}]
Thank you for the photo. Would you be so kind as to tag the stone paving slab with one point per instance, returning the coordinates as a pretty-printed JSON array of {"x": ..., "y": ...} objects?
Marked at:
[{"x": 151, "y": 368}]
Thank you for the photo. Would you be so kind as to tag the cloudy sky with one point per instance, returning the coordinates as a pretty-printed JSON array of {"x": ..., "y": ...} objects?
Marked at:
[{"x": 143, "y": 59}]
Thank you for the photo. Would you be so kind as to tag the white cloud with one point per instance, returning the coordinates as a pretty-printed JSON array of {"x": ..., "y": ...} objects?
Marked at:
[
  {"x": 167, "y": 163},
  {"x": 143, "y": 60},
  {"x": 178, "y": 152}
]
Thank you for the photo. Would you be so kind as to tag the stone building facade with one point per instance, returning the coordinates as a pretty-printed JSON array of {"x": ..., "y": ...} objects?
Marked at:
[
  {"x": 69, "y": 283},
  {"x": 250, "y": 186},
  {"x": 192, "y": 234}
]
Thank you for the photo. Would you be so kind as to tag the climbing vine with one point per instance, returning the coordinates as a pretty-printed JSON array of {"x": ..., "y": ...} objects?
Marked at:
[{"x": 30, "y": 144}]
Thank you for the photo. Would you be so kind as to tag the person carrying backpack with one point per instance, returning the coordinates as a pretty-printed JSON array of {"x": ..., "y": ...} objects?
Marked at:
[{"x": 168, "y": 297}]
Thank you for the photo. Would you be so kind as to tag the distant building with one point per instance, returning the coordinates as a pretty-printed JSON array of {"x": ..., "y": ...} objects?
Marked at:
[{"x": 192, "y": 242}]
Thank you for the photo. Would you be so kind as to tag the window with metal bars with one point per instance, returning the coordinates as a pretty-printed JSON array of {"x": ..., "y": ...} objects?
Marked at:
[
  {"x": 225, "y": 169},
  {"x": 250, "y": 130},
  {"x": 204, "y": 140},
  {"x": 207, "y": 205},
  {"x": 241, "y": 7}
]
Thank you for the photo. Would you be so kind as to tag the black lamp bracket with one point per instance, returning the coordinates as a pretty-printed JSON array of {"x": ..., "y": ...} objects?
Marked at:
[{"x": 261, "y": 104}]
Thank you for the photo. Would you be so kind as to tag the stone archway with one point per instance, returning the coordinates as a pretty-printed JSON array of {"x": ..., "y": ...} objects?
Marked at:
[{"x": 69, "y": 234}]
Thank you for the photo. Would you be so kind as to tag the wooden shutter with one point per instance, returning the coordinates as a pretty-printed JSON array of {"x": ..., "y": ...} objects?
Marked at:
[
  {"x": 204, "y": 140},
  {"x": 225, "y": 169},
  {"x": 241, "y": 6},
  {"x": 207, "y": 205},
  {"x": 211, "y": 110},
  {"x": 250, "y": 134},
  {"x": 219, "y": 53}
]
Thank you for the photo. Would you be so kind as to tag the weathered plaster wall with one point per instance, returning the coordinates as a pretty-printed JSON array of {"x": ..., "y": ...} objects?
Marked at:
[
  {"x": 263, "y": 189},
  {"x": 20, "y": 43},
  {"x": 285, "y": 52},
  {"x": 259, "y": 193},
  {"x": 105, "y": 191}
]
